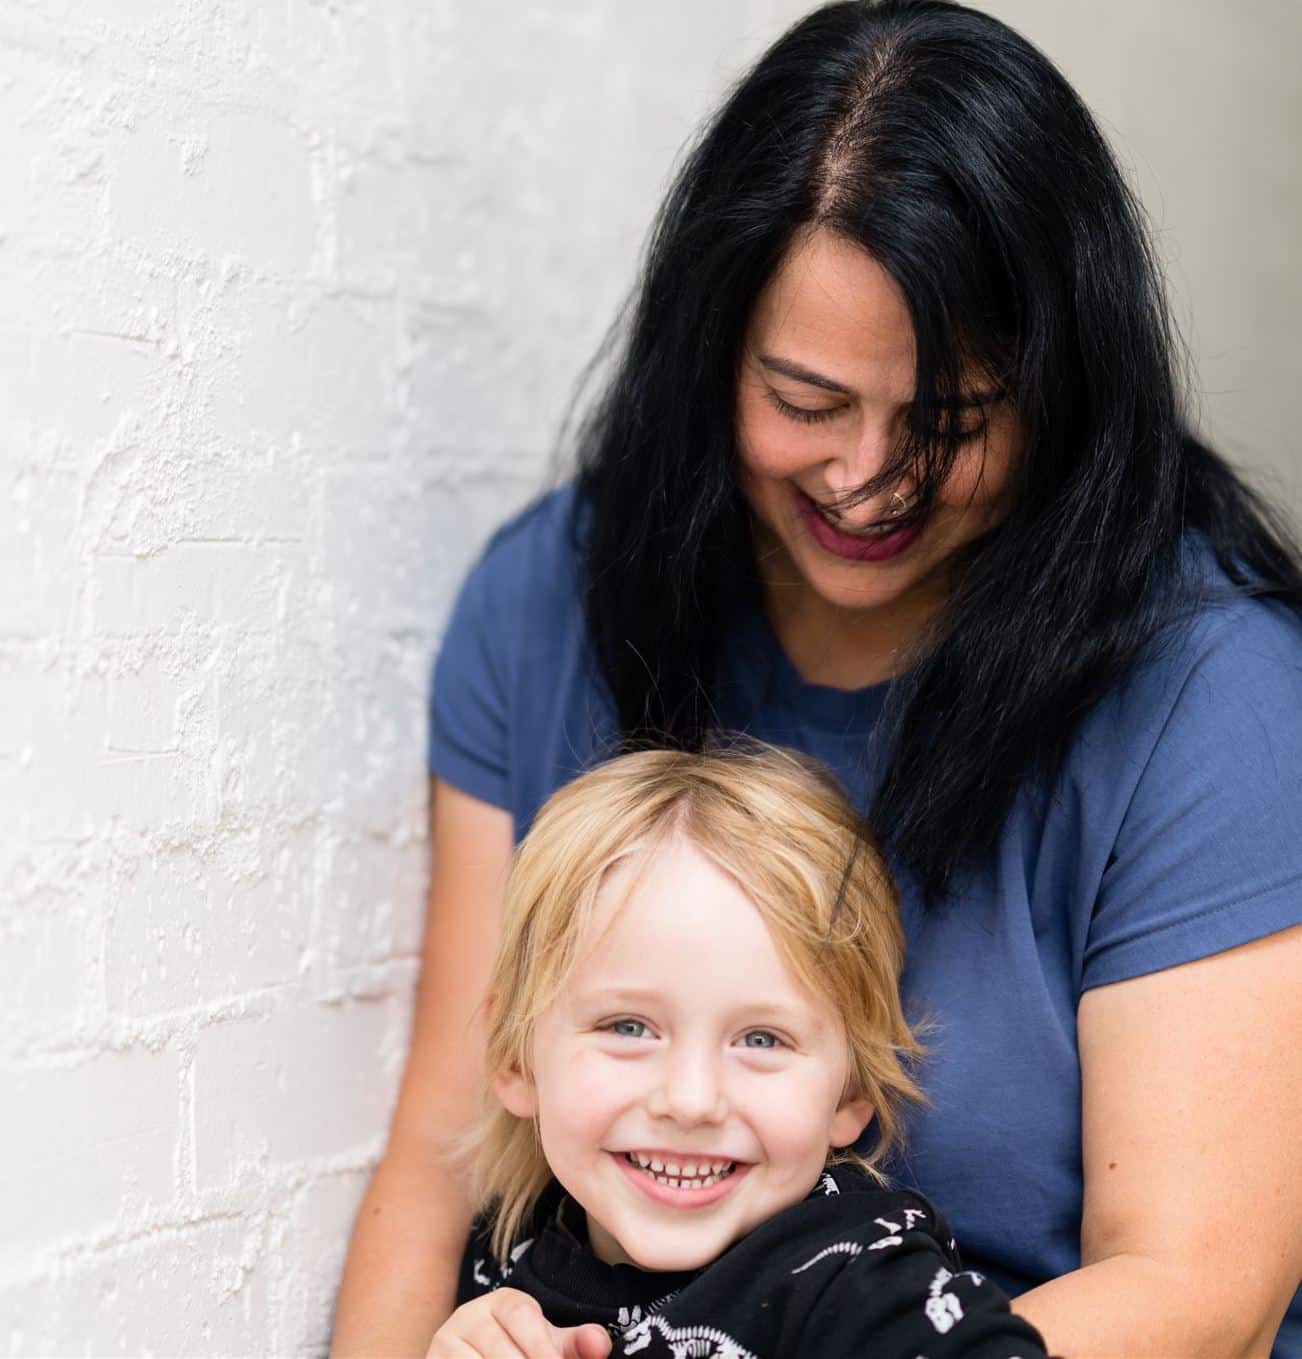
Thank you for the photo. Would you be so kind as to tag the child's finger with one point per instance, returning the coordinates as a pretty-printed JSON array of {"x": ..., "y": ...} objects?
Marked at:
[
  {"x": 585, "y": 1342},
  {"x": 486, "y": 1338},
  {"x": 448, "y": 1346},
  {"x": 524, "y": 1326}
]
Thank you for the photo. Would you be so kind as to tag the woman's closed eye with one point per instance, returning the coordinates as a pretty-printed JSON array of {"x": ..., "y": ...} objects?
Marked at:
[
  {"x": 965, "y": 432},
  {"x": 808, "y": 417}
]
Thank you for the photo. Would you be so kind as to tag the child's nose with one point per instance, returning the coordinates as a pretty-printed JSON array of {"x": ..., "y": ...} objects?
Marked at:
[{"x": 691, "y": 1089}]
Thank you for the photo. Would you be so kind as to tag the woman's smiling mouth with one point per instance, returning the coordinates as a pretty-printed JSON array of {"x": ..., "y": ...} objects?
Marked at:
[{"x": 877, "y": 544}]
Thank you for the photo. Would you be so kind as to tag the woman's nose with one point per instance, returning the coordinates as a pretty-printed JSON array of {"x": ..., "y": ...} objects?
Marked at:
[
  {"x": 868, "y": 448},
  {"x": 690, "y": 1090}
]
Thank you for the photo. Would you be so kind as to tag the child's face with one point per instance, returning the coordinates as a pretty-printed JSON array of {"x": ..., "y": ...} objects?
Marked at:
[{"x": 683, "y": 1039}]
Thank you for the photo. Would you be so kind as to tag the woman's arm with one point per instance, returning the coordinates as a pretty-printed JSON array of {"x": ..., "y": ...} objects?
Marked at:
[
  {"x": 1192, "y": 1118},
  {"x": 400, "y": 1278}
]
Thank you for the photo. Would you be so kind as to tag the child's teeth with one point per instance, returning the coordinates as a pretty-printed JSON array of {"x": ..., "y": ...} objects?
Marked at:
[{"x": 687, "y": 1175}]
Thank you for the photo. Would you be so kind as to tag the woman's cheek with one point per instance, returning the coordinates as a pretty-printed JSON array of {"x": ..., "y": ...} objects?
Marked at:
[
  {"x": 769, "y": 445},
  {"x": 981, "y": 475}
]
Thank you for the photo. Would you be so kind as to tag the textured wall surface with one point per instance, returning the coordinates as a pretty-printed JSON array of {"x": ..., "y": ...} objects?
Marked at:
[{"x": 293, "y": 295}]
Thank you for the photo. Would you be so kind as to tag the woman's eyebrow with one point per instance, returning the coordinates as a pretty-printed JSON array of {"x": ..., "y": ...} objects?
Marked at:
[{"x": 798, "y": 373}]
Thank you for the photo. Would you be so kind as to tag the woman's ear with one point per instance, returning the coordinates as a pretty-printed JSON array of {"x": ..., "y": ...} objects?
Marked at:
[
  {"x": 849, "y": 1121},
  {"x": 517, "y": 1092}
]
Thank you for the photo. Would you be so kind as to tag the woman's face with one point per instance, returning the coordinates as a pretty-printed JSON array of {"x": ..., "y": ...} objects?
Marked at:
[{"x": 826, "y": 380}]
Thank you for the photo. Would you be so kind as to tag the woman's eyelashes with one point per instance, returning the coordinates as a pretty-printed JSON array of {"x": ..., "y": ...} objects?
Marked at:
[
  {"x": 806, "y": 417},
  {"x": 768, "y": 1041},
  {"x": 809, "y": 417}
]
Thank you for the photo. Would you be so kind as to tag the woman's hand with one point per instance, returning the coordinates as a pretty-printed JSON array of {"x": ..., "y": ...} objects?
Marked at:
[{"x": 508, "y": 1324}]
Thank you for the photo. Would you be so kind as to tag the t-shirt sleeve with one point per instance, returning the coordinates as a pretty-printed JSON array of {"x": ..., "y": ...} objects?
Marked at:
[
  {"x": 905, "y": 1300},
  {"x": 469, "y": 719},
  {"x": 1208, "y": 854}
]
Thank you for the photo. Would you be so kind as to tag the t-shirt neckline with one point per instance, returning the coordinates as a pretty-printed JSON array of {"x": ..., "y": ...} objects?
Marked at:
[{"x": 820, "y": 705}]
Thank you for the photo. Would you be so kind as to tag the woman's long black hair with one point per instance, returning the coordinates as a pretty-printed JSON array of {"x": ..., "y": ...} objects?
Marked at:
[{"x": 954, "y": 153}]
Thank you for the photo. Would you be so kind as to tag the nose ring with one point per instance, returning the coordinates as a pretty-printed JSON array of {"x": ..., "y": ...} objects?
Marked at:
[{"x": 898, "y": 505}]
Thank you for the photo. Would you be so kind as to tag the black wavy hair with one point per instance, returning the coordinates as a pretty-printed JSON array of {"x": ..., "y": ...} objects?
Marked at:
[{"x": 955, "y": 154}]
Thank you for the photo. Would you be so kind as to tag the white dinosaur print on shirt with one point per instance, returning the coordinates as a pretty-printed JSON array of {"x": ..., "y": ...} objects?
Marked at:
[
  {"x": 480, "y": 1270},
  {"x": 629, "y": 1317},
  {"x": 685, "y": 1342},
  {"x": 944, "y": 1310},
  {"x": 850, "y": 1248},
  {"x": 893, "y": 1237}
]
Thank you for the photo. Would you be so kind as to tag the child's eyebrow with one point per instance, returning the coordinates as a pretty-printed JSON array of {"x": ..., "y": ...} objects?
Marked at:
[{"x": 615, "y": 995}]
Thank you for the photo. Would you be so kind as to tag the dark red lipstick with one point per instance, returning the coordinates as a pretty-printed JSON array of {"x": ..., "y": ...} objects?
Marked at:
[{"x": 878, "y": 547}]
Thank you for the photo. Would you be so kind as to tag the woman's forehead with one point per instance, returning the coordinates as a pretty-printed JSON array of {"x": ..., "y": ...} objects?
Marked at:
[{"x": 831, "y": 307}]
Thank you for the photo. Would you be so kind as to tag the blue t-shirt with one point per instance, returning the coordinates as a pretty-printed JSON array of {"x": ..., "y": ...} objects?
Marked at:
[{"x": 1174, "y": 831}]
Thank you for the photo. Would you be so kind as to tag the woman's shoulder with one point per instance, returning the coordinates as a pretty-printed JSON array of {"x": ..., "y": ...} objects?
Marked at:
[
  {"x": 498, "y": 675},
  {"x": 1225, "y": 651},
  {"x": 1190, "y": 770},
  {"x": 1225, "y": 615},
  {"x": 1219, "y": 688},
  {"x": 535, "y": 553}
]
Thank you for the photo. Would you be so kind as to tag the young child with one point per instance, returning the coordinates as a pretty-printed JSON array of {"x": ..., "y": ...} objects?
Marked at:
[{"x": 693, "y": 1017}]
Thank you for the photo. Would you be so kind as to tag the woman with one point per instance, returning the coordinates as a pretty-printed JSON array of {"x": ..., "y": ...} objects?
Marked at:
[{"x": 891, "y": 468}]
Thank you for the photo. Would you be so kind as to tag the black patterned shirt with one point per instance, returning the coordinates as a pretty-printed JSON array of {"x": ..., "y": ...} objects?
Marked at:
[{"x": 853, "y": 1270}]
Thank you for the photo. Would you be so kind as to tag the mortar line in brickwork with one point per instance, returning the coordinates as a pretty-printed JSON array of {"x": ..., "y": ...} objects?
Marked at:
[
  {"x": 76, "y": 1254},
  {"x": 249, "y": 540},
  {"x": 188, "y": 1176},
  {"x": 162, "y": 1028}
]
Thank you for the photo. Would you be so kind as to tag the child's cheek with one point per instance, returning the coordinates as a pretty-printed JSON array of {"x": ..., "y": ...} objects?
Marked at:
[
  {"x": 792, "y": 1117},
  {"x": 591, "y": 1089},
  {"x": 597, "y": 1079}
]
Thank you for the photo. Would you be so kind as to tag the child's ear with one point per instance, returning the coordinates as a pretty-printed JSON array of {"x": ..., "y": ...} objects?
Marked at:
[
  {"x": 517, "y": 1092},
  {"x": 849, "y": 1121}
]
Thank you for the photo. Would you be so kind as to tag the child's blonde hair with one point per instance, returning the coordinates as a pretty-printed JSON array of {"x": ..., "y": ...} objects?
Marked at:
[{"x": 779, "y": 825}]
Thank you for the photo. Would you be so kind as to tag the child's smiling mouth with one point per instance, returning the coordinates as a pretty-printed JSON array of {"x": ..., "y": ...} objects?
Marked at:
[{"x": 682, "y": 1182}]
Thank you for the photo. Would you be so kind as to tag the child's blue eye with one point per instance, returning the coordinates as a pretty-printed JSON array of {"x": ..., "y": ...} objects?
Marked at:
[
  {"x": 622, "y": 1027},
  {"x": 767, "y": 1040}
]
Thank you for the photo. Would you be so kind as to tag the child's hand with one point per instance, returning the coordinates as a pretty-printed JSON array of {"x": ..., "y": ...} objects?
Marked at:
[{"x": 508, "y": 1324}]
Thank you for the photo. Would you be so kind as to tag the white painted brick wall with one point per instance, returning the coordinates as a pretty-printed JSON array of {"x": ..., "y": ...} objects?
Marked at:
[{"x": 293, "y": 295}]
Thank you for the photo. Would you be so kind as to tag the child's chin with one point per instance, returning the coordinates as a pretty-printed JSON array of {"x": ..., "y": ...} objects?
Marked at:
[{"x": 671, "y": 1257}]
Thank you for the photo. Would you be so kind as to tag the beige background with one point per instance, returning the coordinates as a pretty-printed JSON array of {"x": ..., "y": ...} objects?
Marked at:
[{"x": 1202, "y": 99}]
